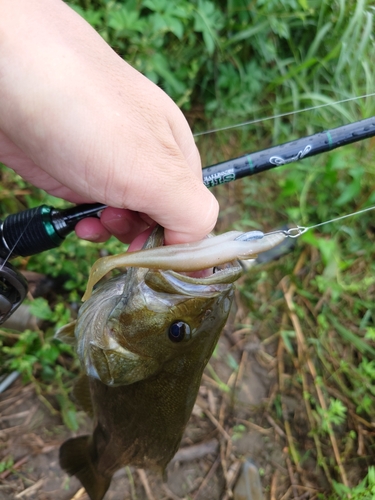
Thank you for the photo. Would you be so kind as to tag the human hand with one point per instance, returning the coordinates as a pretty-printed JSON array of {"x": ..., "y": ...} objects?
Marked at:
[{"x": 82, "y": 124}]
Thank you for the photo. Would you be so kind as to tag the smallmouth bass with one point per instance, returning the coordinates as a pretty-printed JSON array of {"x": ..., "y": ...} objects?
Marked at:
[{"x": 144, "y": 338}]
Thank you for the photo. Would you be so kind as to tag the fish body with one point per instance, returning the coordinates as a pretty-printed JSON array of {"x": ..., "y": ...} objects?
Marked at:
[{"x": 143, "y": 338}]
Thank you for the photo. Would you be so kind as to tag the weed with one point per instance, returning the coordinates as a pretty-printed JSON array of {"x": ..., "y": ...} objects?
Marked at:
[
  {"x": 365, "y": 490},
  {"x": 6, "y": 464}
]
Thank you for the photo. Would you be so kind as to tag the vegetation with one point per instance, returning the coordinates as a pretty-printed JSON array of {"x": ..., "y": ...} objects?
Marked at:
[{"x": 224, "y": 62}]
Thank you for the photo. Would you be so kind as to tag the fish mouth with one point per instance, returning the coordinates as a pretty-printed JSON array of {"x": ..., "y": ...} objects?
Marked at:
[
  {"x": 172, "y": 282},
  {"x": 203, "y": 273},
  {"x": 212, "y": 274}
]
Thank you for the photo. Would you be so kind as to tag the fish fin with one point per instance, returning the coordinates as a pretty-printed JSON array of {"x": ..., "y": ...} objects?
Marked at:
[
  {"x": 81, "y": 394},
  {"x": 66, "y": 333},
  {"x": 76, "y": 459}
]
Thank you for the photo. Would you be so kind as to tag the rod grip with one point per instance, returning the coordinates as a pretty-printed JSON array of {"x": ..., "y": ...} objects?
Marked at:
[{"x": 29, "y": 232}]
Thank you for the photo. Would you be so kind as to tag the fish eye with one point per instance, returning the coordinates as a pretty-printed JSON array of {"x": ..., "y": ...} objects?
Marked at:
[{"x": 178, "y": 331}]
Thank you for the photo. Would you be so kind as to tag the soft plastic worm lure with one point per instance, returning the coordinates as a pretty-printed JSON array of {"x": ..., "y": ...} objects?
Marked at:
[
  {"x": 210, "y": 252},
  {"x": 188, "y": 257}
]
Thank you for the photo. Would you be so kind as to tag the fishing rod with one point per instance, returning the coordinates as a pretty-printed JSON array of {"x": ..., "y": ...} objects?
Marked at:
[
  {"x": 276, "y": 156},
  {"x": 42, "y": 228},
  {"x": 38, "y": 229}
]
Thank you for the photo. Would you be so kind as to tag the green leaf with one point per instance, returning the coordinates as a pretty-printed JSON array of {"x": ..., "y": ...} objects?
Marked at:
[
  {"x": 41, "y": 309},
  {"x": 93, "y": 17},
  {"x": 167, "y": 23},
  {"x": 208, "y": 20},
  {"x": 6, "y": 464},
  {"x": 70, "y": 418},
  {"x": 279, "y": 27},
  {"x": 124, "y": 20},
  {"x": 287, "y": 335},
  {"x": 370, "y": 333},
  {"x": 351, "y": 337},
  {"x": 161, "y": 66}
]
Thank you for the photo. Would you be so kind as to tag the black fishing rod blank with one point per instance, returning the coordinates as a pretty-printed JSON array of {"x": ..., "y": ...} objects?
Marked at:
[{"x": 267, "y": 159}]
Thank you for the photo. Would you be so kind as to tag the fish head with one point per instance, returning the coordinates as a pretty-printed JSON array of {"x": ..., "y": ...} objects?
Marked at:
[{"x": 146, "y": 320}]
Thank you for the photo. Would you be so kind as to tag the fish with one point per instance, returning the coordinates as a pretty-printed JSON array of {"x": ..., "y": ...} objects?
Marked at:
[{"x": 143, "y": 338}]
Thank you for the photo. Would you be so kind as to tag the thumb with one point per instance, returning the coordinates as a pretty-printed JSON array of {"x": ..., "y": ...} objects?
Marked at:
[
  {"x": 173, "y": 195},
  {"x": 193, "y": 213}
]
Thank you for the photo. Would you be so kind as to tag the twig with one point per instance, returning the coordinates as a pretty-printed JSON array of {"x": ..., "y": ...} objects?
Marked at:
[
  {"x": 80, "y": 493},
  {"x": 363, "y": 421},
  {"x": 211, "y": 402},
  {"x": 232, "y": 475},
  {"x": 265, "y": 359},
  {"x": 41, "y": 398},
  {"x": 278, "y": 467},
  {"x": 287, "y": 494},
  {"x": 246, "y": 329},
  {"x": 10, "y": 430},
  {"x": 10, "y": 335},
  {"x": 361, "y": 441},
  {"x": 208, "y": 477},
  {"x": 211, "y": 381},
  {"x": 14, "y": 467},
  {"x": 30, "y": 489},
  {"x": 196, "y": 451},
  {"x": 308, "y": 489},
  {"x": 292, "y": 478},
  {"x": 14, "y": 396},
  {"x": 270, "y": 339},
  {"x": 274, "y": 481},
  {"x": 216, "y": 423},
  {"x": 224, "y": 452},
  {"x": 255, "y": 427},
  {"x": 277, "y": 428},
  {"x": 241, "y": 370},
  {"x": 14, "y": 415},
  {"x": 32, "y": 412},
  {"x": 143, "y": 477}
]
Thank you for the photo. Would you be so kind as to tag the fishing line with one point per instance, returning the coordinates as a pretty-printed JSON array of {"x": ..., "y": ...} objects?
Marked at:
[
  {"x": 17, "y": 241},
  {"x": 281, "y": 115},
  {"x": 295, "y": 232}
]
